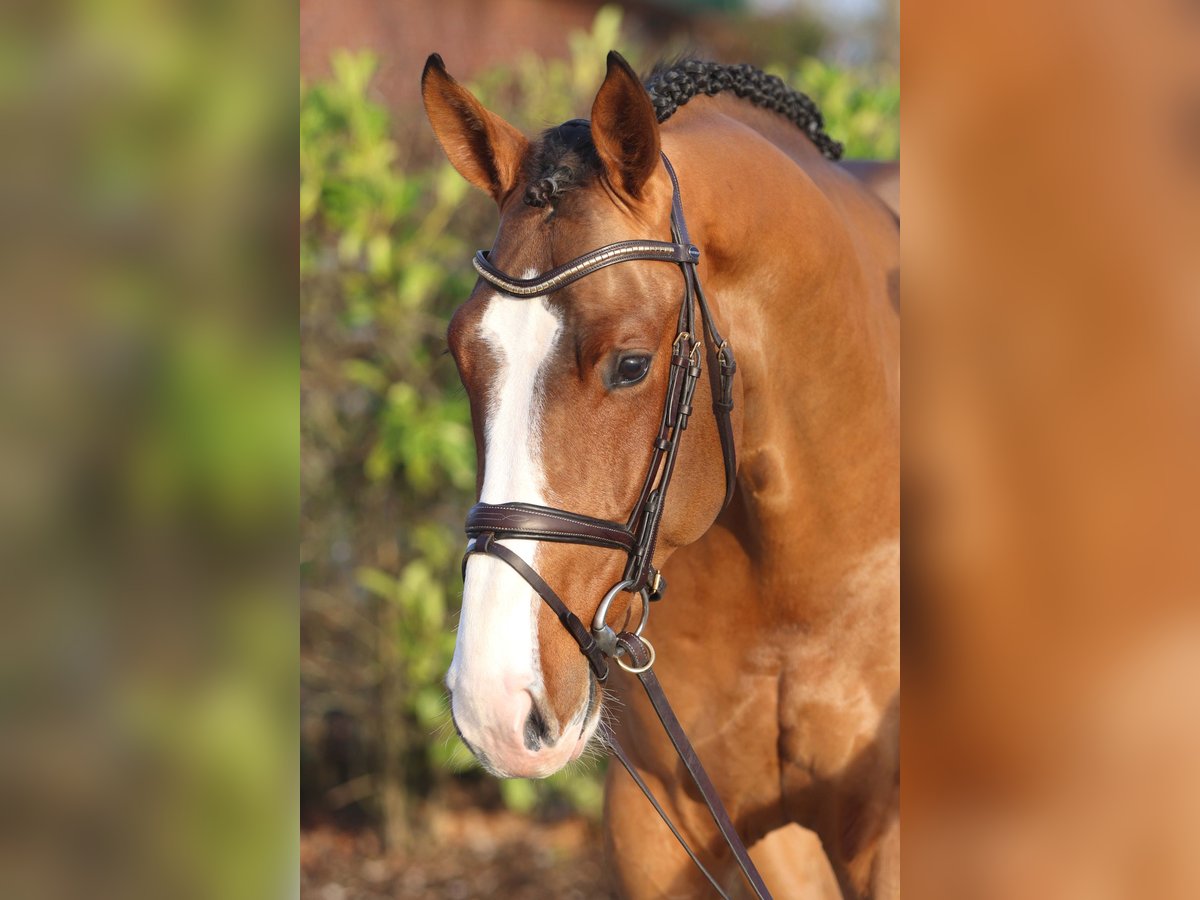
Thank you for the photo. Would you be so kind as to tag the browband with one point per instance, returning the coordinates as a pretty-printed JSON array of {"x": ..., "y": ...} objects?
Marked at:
[{"x": 568, "y": 272}]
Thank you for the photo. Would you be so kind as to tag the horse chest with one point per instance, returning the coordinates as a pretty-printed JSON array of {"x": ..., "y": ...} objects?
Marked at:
[
  {"x": 839, "y": 683},
  {"x": 824, "y": 724}
]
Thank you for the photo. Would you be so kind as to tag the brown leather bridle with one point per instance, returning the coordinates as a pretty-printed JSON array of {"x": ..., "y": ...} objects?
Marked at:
[{"x": 488, "y": 523}]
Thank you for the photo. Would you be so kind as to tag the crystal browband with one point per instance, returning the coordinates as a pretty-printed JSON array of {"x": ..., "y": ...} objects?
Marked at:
[{"x": 561, "y": 276}]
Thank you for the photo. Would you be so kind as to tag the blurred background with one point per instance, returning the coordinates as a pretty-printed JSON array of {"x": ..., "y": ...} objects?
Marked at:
[
  {"x": 148, "y": 451},
  {"x": 392, "y": 805},
  {"x": 149, "y": 457}
]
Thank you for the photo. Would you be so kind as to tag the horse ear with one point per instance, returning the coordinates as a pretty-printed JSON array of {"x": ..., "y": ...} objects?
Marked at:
[
  {"x": 485, "y": 149},
  {"x": 625, "y": 128}
]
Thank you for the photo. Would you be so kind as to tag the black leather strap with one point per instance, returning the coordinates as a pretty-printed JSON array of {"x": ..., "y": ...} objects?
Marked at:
[
  {"x": 580, "y": 266},
  {"x": 722, "y": 365},
  {"x": 619, "y": 752},
  {"x": 543, "y": 523},
  {"x": 485, "y": 543},
  {"x": 721, "y": 370},
  {"x": 677, "y": 217},
  {"x": 639, "y": 655}
]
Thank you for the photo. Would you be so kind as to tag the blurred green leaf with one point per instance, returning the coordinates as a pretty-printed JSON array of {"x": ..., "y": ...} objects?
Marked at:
[
  {"x": 360, "y": 371},
  {"x": 379, "y": 583},
  {"x": 519, "y": 794},
  {"x": 430, "y": 705}
]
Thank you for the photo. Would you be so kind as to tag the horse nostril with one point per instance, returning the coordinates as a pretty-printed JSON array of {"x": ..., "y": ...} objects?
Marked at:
[{"x": 536, "y": 730}]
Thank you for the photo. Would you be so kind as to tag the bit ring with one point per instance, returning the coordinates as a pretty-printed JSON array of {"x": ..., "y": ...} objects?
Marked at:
[{"x": 602, "y": 631}]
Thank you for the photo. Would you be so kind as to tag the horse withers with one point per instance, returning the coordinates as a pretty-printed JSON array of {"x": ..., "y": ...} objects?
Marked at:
[{"x": 778, "y": 640}]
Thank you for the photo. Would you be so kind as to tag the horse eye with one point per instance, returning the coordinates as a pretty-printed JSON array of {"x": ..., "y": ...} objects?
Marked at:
[{"x": 631, "y": 370}]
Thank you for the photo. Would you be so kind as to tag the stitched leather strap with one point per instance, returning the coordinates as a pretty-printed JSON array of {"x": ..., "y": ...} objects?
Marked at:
[
  {"x": 619, "y": 752},
  {"x": 485, "y": 543},
  {"x": 640, "y": 656},
  {"x": 543, "y": 523},
  {"x": 721, "y": 370},
  {"x": 568, "y": 272},
  {"x": 721, "y": 362}
]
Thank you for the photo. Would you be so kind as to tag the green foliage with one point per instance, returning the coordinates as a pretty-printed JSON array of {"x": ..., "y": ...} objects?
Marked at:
[
  {"x": 861, "y": 106},
  {"x": 389, "y": 458},
  {"x": 580, "y": 789},
  {"x": 383, "y": 261},
  {"x": 537, "y": 93}
]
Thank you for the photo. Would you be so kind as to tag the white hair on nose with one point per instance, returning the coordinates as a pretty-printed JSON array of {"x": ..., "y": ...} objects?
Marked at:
[{"x": 497, "y": 630}]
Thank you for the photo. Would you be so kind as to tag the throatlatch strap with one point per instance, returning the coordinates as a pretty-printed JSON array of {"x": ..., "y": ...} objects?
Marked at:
[
  {"x": 720, "y": 380},
  {"x": 721, "y": 375}
]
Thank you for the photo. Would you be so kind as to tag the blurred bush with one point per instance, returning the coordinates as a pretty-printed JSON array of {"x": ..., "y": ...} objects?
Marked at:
[
  {"x": 861, "y": 106},
  {"x": 147, "y": 452},
  {"x": 388, "y": 460}
]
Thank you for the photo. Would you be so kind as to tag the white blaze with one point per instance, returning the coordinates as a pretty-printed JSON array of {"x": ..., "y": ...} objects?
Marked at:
[{"x": 495, "y": 654}]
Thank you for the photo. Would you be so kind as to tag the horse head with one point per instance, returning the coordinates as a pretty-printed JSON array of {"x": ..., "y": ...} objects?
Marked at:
[{"x": 567, "y": 393}]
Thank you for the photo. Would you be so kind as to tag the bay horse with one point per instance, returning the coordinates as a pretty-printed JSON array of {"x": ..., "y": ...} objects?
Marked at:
[{"x": 779, "y": 639}]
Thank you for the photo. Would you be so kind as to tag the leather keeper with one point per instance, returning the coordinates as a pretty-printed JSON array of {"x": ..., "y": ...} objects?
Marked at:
[{"x": 725, "y": 399}]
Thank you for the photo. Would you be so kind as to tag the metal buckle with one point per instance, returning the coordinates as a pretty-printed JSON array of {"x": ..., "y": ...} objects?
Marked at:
[
  {"x": 723, "y": 354},
  {"x": 602, "y": 631}
]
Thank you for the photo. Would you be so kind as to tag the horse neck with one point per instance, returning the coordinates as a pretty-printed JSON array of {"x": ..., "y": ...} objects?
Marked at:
[{"x": 800, "y": 261}]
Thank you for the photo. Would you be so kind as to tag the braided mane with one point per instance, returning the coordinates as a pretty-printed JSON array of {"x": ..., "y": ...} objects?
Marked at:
[
  {"x": 671, "y": 85},
  {"x": 566, "y": 158}
]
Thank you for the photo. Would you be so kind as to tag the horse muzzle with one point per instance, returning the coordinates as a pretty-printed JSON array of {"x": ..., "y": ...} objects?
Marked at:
[{"x": 513, "y": 732}]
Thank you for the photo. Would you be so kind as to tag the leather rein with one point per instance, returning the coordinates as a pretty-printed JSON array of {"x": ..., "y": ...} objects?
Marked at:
[{"x": 488, "y": 524}]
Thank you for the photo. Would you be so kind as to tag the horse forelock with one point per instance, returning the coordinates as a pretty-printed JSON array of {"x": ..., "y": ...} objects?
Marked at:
[{"x": 563, "y": 159}]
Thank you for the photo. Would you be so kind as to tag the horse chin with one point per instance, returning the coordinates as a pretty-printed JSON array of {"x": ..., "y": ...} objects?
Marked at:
[
  {"x": 587, "y": 732},
  {"x": 552, "y": 760}
]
